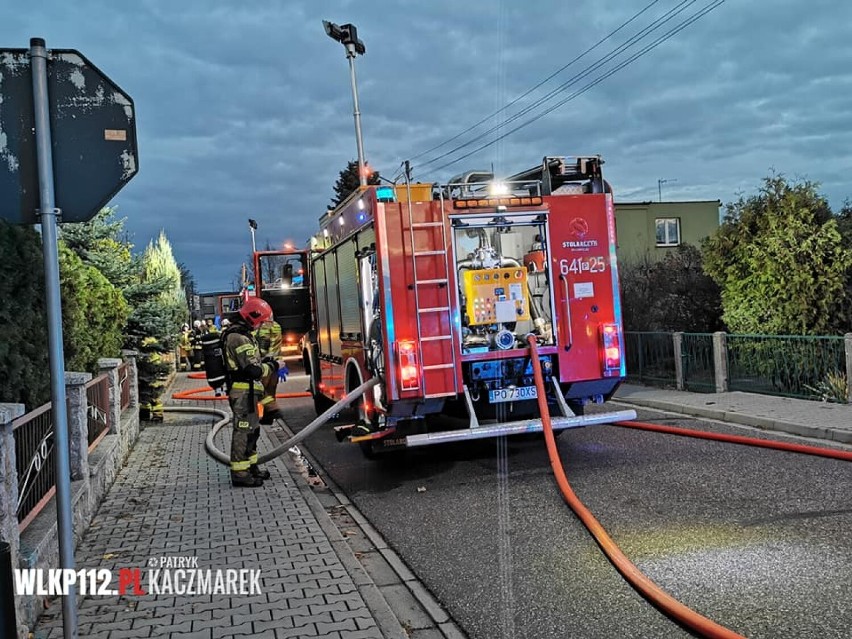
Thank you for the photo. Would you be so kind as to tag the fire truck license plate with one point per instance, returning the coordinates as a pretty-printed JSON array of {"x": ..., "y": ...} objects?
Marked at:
[{"x": 512, "y": 394}]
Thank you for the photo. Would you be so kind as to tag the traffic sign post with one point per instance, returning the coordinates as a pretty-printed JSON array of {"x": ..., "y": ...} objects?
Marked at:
[
  {"x": 44, "y": 157},
  {"x": 67, "y": 137}
]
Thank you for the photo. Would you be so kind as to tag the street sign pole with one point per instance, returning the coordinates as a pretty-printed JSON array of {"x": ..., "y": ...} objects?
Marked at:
[{"x": 48, "y": 213}]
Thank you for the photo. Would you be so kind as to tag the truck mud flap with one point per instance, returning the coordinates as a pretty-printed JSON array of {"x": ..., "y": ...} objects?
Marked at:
[{"x": 517, "y": 428}]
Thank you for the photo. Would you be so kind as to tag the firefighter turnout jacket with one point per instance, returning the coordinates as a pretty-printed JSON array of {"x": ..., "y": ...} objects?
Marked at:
[
  {"x": 245, "y": 372},
  {"x": 269, "y": 338}
]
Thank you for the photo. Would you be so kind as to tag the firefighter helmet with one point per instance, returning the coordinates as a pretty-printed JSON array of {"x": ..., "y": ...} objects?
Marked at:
[{"x": 255, "y": 312}]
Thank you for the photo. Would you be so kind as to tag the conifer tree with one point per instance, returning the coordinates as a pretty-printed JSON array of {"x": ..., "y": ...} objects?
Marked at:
[
  {"x": 348, "y": 181},
  {"x": 159, "y": 309}
]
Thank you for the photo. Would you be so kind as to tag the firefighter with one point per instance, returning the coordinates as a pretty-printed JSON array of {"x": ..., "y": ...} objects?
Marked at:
[
  {"x": 246, "y": 370},
  {"x": 185, "y": 348},
  {"x": 269, "y": 341},
  {"x": 198, "y": 330},
  {"x": 211, "y": 327}
]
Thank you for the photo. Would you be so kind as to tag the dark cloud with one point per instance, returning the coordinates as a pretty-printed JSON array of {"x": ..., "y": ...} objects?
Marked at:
[{"x": 244, "y": 109}]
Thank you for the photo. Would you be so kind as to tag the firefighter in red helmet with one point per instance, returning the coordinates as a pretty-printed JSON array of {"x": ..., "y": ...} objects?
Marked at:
[{"x": 246, "y": 370}]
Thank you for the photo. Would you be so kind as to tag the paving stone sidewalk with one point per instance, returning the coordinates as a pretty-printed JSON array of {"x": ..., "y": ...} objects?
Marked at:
[
  {"x": 171, "y": 499},
  {"x": 795, "y": 416}
]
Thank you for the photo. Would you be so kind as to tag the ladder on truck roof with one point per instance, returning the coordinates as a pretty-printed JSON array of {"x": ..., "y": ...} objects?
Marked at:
[{"x": 435, "y": 345}]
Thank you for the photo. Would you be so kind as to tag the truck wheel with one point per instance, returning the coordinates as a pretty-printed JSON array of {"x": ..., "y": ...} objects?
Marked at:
[
  {"x": 321, "y": 402},
  {"x": 367, "y": 450}
]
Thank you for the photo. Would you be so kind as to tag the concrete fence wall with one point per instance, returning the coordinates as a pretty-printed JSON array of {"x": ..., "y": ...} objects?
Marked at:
[{"x": 92, "y": 473}]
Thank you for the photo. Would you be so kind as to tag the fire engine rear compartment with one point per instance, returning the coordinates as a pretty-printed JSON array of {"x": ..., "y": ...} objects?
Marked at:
[{"x": 437, "y": 302}]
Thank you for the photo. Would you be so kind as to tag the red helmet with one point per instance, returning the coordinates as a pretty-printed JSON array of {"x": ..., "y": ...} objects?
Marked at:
[{"x": 255, "y": 312}]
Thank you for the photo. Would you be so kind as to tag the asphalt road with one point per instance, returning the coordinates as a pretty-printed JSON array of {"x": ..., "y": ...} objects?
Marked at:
[{"x": 757, "y": 540}]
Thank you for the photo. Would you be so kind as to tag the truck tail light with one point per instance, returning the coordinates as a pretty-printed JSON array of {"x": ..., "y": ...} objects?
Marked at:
[
  {"x": 409, "y": 371},
  {"x": 611, "y": 352}
]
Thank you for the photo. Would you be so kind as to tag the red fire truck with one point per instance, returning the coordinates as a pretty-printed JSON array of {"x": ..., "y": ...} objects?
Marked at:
[{"x": 434, "y": 289}]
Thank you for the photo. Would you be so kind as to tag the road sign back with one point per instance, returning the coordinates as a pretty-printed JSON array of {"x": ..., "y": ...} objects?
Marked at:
[{"x": 93, "y": 129}]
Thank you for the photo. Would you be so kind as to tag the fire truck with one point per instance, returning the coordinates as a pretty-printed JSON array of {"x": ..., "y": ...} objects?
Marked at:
[
  {"x": 433, "y": 290},
  {"x": 229, "y": 303},
  {"x": 281, "y": 278}
]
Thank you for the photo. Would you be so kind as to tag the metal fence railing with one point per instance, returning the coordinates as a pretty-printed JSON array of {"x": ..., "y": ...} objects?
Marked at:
[
  {"x": 792, "y": 366},
  {"x": 699, "y": 373},
  {"x": 35, "y": 462},
  {"x": 807, "y": 367},
  {"x": 650, "y": 358},
  {"x": 124, "y": 384},
  {"x": 97, "y": 409}
]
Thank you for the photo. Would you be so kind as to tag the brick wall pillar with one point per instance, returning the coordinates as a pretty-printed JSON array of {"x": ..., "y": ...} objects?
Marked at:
[
  {"x": 9, "y": 495},
  {"x": 109, "y": 365},
  {"x": 78, "y": 423},
  {"x": 133, "y": 376}
]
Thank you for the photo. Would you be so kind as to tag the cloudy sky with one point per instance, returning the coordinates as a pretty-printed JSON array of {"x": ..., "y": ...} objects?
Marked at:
[{"x": 244, "y": 109}]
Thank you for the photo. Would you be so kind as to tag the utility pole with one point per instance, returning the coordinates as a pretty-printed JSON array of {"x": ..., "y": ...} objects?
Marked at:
[
  {"x": 660, "y": 187},
  {"x": 347, "y": 35}
]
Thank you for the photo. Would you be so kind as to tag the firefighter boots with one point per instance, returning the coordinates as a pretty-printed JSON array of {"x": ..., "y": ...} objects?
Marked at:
[
  {"x": 257, "y": 471},
  {"x": 247, "y": 481},
  {"x": 269, "y": 416}
]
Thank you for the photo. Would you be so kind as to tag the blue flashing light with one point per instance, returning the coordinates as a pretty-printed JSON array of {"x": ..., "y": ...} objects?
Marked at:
[
  {"x": 385, "y": 194},
  {"x": 362, "y": 216}
]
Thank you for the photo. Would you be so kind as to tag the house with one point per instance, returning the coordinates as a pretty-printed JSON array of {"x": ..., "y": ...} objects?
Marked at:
[{"x": 651, "y": 229}]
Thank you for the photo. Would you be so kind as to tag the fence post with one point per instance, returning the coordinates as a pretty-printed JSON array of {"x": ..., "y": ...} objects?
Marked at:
[
  {"x": 9, "y": 478},
  {"x": 9, "y": 487},
  {"x": 677, "y": 340},
  {"x": 132, "y": 376},
  {"x": 847, "y": 341},
  {"x": 109, "y": 365},
  {"x": 78, "y": 423},
  {"x": 720, "y": 360}
]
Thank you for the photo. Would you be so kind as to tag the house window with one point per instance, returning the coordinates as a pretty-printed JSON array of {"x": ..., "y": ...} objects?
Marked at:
[{"x": 668, "y": 231}]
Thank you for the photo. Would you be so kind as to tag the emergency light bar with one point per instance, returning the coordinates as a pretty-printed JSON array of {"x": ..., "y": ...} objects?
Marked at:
[
  {"x": 385, "y": 194},
  {"x": 491, "y": 202}
]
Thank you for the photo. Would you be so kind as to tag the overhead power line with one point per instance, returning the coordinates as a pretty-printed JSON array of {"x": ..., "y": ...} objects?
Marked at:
[
  {"x": 656, "y": 24},
  {"x": 543, "y": 82},
  {"x": 666, "y": 36}
]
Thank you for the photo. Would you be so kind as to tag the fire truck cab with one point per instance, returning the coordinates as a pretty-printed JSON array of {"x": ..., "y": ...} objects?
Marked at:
[
  {"x": 434, "y": 290},
  {"x": 281, "y": 278}
]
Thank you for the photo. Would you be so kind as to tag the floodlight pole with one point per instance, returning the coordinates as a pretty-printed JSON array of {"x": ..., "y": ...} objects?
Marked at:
[
  {"x": 252, "y": 227},
  {"x": 347, "y": 35},
  {"x": 362, "y": 165}
]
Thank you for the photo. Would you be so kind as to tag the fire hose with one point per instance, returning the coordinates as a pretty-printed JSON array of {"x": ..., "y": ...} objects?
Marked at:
[
  {"x": 646, "y": 587},
  {"x": 329, "y": 414},
  {"x": 804, "y": 449}
]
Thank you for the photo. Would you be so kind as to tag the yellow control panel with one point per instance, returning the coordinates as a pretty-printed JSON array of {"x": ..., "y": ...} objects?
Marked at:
[{"x": 496, "y": 295}]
